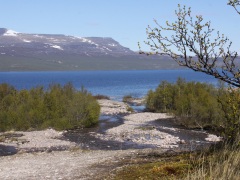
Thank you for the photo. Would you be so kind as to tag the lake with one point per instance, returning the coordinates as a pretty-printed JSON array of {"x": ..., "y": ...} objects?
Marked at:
[{"x": 115, "y": 84}]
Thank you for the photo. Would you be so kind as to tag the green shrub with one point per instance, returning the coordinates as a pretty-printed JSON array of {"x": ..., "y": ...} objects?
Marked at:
[
  {"x": 162, "y": 100},
  {"x": 99, "y": 96},
  {"x": 127, "y": 98},
  {"x": 230, "y": 104},
  {"x": 199, "y": 105},
  {"x": 59, "y": 107}
]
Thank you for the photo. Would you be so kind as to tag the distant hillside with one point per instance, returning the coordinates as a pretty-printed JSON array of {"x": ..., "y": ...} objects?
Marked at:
[{"x": 32, "y": 52}]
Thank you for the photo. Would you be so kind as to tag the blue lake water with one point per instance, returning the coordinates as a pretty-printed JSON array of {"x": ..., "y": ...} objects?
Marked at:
[{"x": 115, "y": 84}]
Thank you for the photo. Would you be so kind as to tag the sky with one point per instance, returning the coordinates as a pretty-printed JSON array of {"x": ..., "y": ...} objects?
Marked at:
[{"x": 123, "y": 20}]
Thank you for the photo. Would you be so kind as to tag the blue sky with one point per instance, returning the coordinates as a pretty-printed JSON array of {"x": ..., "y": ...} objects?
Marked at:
[{"x": 123, "y": 20}]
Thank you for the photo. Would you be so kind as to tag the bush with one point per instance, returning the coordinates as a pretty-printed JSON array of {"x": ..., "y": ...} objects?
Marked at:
[
  {"x": 230, "y": 104},
  {"x": 162, "y": 100},
  {"x": 59, "y": 107},
  {"x": 199, "y": 105},
  {"x": 99, "y": 96},
  {"x": 127, "y": 98}
]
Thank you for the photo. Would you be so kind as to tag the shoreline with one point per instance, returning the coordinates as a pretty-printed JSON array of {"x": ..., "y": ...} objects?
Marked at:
[
  {"x": 49, "y": 154},
  {"x": 134, "y": 130}
]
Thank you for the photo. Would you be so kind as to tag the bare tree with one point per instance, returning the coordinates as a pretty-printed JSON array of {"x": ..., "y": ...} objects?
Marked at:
[{"x": 191, "y": 44}]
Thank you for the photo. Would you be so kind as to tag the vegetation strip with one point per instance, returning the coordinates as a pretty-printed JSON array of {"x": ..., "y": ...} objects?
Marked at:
[{"x": 58, "y": 107}]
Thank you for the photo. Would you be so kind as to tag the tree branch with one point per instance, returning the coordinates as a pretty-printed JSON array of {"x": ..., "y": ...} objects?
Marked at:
[{"x": 191, "y": 35}]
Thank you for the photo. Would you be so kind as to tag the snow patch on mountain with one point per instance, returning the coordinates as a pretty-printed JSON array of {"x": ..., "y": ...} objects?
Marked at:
[
  {"x": 56, "y": 47},
  {"x": 107, "y": 48},
  {"x": 27, "y": 41},
  {"x": 10, "y": 33},
  {"x": 38, "y": 36},
  {"x": 112, "y": 44},
  {"x": 41, "y": 44},
  {"x": 87, "y": 40}
]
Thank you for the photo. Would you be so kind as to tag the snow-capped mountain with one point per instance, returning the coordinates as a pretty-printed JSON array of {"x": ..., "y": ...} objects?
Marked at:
[
  {"x": 14, "y": 43},
  {"x": 21, "y": 52}
]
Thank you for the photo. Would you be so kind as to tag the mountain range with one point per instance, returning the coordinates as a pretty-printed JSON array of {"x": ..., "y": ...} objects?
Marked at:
[{"x": 45, "y": 52}]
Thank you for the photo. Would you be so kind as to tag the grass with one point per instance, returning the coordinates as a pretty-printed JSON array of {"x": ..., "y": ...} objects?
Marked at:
[
  {"x": 173, "y": 167},
  {"x": 153, "y": 171},
  {"x": 219, "y": 164}
]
